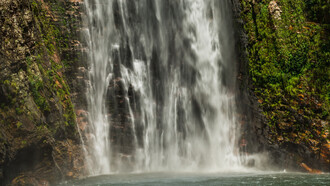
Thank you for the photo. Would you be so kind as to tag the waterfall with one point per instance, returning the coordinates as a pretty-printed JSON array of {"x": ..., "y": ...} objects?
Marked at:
[{"x": 161, "y": 93}]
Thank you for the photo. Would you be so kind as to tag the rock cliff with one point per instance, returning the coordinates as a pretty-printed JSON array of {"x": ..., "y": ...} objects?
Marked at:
[
  {"x": 283, "y": 69},
  {"x": 39, "y": 140}
]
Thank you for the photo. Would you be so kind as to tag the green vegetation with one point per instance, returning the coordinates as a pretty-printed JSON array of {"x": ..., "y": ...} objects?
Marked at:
[
  {"x": 289, "y": 60},
  {"x": 36, "y": 110},
  {"x": 51, "y": 44},
  {"x": 43, "y": 77},
  {"x": 18, "y": 124}
]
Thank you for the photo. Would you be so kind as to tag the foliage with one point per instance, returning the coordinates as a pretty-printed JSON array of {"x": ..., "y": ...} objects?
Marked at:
[
  {"x": 52, "y": 42},
  {"x": 289, "y": 60}
]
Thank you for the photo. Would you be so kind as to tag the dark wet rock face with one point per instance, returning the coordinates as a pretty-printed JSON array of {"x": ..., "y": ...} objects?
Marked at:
[{"x": 39, "y": 141}]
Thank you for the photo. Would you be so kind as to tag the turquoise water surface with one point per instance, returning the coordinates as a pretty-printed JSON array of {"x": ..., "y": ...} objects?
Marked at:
[{"x": 197, "y": 179}]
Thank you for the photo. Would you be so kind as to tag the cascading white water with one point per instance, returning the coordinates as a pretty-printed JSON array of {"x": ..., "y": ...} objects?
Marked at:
[
  {"x": 100, "y": 68},
  {"x": 161, "y": 93}
]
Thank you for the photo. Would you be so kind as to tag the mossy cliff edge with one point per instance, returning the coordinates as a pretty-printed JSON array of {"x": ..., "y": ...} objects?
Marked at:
[
  {"x": 39, "y": 140},
  {"x": 285, "y": 75}
]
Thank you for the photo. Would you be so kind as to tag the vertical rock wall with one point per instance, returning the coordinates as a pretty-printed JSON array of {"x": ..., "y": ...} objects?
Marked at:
[
  {"x": 39, "y": 140},
  {"x": 285, "y": 109}
]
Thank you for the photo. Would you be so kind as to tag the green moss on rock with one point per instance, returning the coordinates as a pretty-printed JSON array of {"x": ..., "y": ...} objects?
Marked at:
[
  {"x": 36, "y": 111},
  {"x": 289, "y": 64}
]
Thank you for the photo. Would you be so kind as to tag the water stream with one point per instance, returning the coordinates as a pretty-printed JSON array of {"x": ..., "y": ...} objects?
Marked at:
[{"x": 161, "y": 93}]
